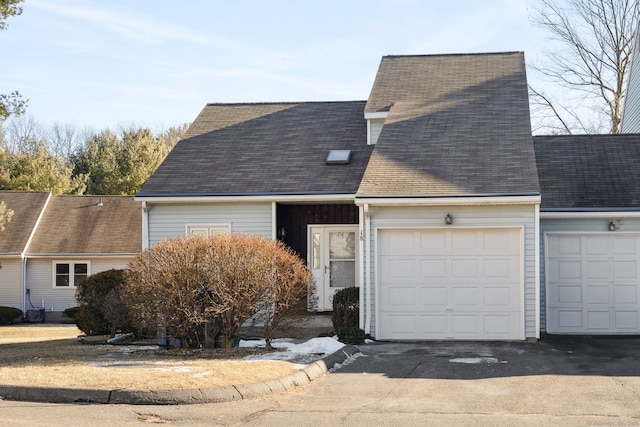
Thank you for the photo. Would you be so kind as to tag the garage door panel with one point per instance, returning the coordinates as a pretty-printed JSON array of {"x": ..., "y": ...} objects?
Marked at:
[
  {"x": 597, "y": 269},
  {"x": 433, "y": 243},
  {"x": 596, "y": 245},
  {"x": 625, "y": 294},
  {"x": 466, "y": 325},
  {"x": 435, "y": 296},
  {"x": 402, "y": 325},
  {"x": 468, "y": 282},
  {"x": 464, "y": 268},
  {"x": 598, "y": 320},
  {"x": 398, "y": 270},
  {"x": 626, "y": 320},
  {"x": 598, "y": 292},
  {"x": 464, "y": 296},
  {"x": 433, "y": 326},
  {"x": 498, "y": 297},
  {"x": 402, "y": 296},
  {"x": 569, "y": 319},
  {"x": 568, "y": 294},
  {"x": 433, "y": 269},
  {"x": 566, "y": 270},
  {"x": 498, "y": 325},
  {"x": 625, "y": 245},
  {"x": 625, "y": 270}
]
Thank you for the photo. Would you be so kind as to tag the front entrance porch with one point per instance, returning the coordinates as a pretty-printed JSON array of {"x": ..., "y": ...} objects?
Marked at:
[{"x": 325, "y": 236}]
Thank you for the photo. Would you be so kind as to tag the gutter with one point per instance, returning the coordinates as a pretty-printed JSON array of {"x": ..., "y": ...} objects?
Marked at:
[
  {"x": 249, "y": 197},
  {"x": 606, "y": 214},
  {"x": 449, "y": 200}
]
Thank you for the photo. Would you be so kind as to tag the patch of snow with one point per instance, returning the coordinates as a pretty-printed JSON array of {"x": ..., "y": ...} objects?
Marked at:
[
  {"x": 349, "y": 360},
  {"x": 305, "y": 352},
  {"x": 476, "y": 360}
]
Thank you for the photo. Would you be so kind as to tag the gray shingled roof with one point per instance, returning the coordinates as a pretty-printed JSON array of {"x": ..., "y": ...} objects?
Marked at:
[
  {"x": 587, "y": 172},
  {"x": 75, "y": 225},
  {"x": 267, "y": 149},
  {"x": 27, "y": 207},
  {"x": 456, "y": 125}
]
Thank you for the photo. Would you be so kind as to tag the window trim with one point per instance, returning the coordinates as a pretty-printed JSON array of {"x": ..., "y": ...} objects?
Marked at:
[
  {"x": 219, "y": 226},
  {"x": 71, "y": 263}
]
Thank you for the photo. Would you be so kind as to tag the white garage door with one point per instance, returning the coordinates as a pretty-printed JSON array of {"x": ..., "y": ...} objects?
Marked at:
[
  {"x": 450, "y": 284},
  {"x": 592, "y": 283}
]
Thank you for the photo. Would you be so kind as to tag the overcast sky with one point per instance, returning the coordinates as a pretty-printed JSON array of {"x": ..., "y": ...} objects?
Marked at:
[{"x": 156, "y": 63}]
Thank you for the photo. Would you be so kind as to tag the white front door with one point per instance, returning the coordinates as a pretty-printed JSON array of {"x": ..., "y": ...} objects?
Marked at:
[{"x": 333, "y": 260}]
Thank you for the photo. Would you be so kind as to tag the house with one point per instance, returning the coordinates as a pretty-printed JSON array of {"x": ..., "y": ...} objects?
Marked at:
[
  {"x": 52, "y": 242},
  {"x": 631, "y": 108},
  {"x": 590, "y": 233},
  {"x": 425, "y": 196}
]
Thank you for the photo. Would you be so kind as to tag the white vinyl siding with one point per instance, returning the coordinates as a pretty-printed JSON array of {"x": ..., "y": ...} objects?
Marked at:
[
  {"x": 631, "y": 108},
  {"x": 375, "y": 127},
  {"x": 40, "y": 276},
  {"x": 505, "y": 216},
  {"x": 575, "y": 226},
  {"x": 171, "y": 220},
  {"x": 11, "y": 282}
]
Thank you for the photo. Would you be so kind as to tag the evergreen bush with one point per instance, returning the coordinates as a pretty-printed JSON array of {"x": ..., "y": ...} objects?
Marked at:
[{"x": 9, "y": 314}]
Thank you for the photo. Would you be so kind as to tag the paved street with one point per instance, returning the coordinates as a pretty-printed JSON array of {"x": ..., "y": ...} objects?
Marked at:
[{"x": 558, "y": 382}]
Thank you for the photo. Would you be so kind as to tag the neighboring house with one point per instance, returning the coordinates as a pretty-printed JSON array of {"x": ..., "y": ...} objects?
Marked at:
[
  {"x": 631, "y": 108},
  {"x": 52, "y": 242},
  {"x": 426, "y": 196},
  {"x": 590, "y": 233}
]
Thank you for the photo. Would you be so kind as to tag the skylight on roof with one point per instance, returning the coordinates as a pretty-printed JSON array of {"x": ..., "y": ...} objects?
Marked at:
[{"x": 338, "y": 157}]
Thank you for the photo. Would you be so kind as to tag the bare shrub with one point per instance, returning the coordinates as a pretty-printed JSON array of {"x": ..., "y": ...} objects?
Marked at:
[
  {"x": 164, "y": 286},
  {"x": 291, "y": 284},
  {"x": 187, "y": 283}
]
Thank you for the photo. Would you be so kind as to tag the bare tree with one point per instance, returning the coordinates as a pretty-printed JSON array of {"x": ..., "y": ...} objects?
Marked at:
[{"x": 596, "y": 39}]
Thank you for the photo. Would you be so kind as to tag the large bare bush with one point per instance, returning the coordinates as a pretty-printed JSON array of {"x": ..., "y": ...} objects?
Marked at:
[{"x": 188, "y": 283}]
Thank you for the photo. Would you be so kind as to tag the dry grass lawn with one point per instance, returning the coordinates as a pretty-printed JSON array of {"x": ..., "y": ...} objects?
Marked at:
[{"x": 50, "y": 355}]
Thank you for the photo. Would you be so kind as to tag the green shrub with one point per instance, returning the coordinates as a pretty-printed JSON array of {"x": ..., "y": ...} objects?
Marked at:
[
  {"x": 100, "y": 310},
  {"x": 9, "y": 314},
  {"x": 346, "y": 308},
  {"x": 351, "y": 335},
  {"x": 72, "y": 312}
]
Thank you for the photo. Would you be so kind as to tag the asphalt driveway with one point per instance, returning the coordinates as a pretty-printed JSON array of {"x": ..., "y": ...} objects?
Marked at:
[
  {"x": 560, "y": 381},
  {"x": 553, "y": 355}
]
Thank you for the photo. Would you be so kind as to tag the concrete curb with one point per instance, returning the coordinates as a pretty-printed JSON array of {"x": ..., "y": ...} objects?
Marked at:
[{"x": 180, "y": 396}]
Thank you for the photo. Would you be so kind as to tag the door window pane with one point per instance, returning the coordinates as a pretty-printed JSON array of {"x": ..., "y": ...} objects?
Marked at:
[
  {"x": 342, "y": 245},
  {"x": 343, "y": 274},
  {"x": 316, "y": 250}
]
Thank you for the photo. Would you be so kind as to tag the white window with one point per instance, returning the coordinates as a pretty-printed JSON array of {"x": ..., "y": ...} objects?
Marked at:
[
  {"x": 207, "y": 230},
  {"x": 67, "y": 274}
]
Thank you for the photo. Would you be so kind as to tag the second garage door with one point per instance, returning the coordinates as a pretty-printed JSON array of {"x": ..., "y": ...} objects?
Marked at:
[
  {"x": 450, "y": 284},
  {"x": 593, "y": 283}
]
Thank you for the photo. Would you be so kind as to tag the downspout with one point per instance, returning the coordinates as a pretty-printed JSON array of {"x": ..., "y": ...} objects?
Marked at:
[
  {"x": 361, "y": 266},
  {"x": 537, "y": 269},
  {"x": 367, "y": 244},
  {"x": 23, "y": 260},
  {"x": 145, "y": 226}
]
